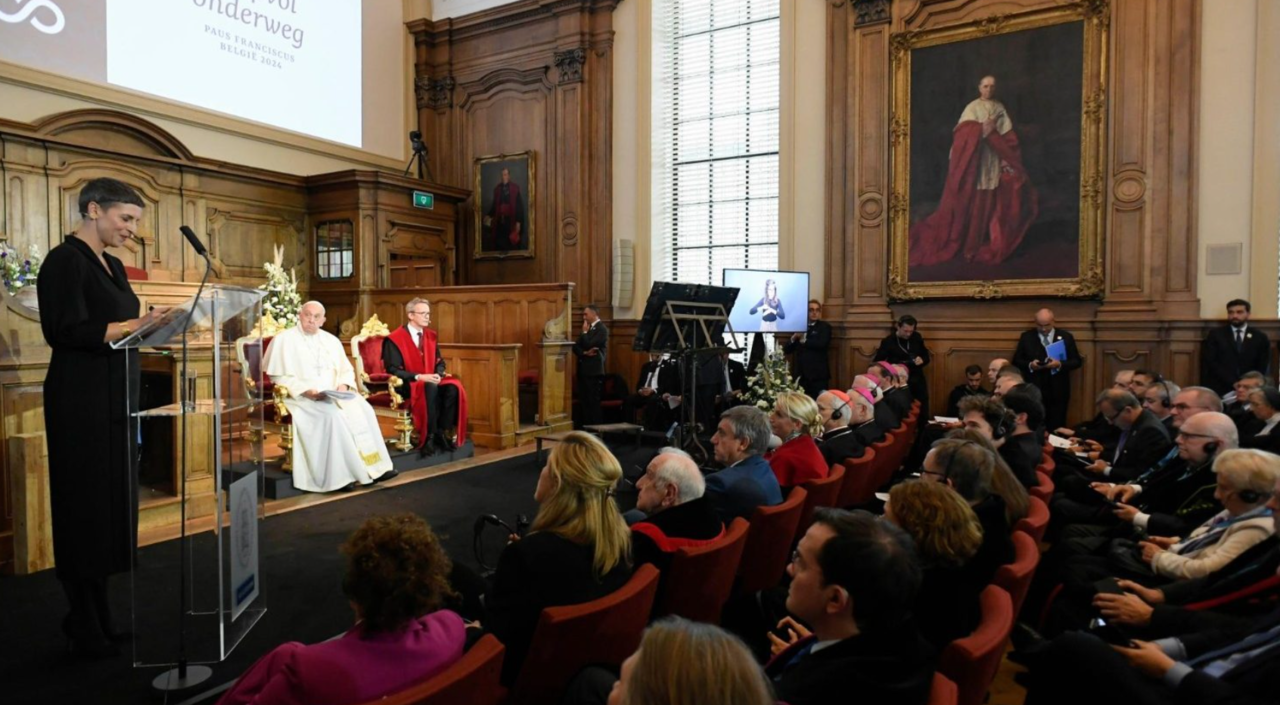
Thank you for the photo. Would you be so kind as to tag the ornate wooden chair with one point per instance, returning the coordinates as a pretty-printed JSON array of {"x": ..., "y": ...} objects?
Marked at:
[
  {"x": 377, "y": 385},
  {"x": 272, "y": 397}
]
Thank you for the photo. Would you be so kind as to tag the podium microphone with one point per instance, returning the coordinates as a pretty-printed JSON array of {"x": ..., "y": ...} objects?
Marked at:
[{"x": 198, "y": 246}]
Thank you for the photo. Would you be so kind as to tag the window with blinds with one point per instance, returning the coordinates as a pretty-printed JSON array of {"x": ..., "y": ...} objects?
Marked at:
[{"x": 715, "y": 137}]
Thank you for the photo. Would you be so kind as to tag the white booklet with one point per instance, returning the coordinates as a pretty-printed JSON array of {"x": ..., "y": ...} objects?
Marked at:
[
  {"x": 340, "y": 396},
  {"x": 1058, "y": 441}
]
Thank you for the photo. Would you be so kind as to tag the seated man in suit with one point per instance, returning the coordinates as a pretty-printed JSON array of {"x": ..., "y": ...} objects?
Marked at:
[
  {"x": 1143, "y": 439},
  {"x": 1022, "y": 448},
  {"x": 972, "y": 387},
  {"x": 747, "y": 481},
  {"x": 854, "y": 579},
  {"x": 886, "y": 418},
  {"x": 839, "y": 441},
  {"x": 994, "y": 367},
  {"x": 1158, "y": 399},
  {"x": 967, "y": 467},
  {"x": 677, "y": 515},
  {"x": 863, "y": 418},
  {"x": 437, "y": 400},
  {"x": 659, "y": 379},
  {"x": 896, "y": 394},
  {"x": 1264, "y": 404},
  {"x": 1236, "y": 404},
  {"x": 735, "y": 383},
  {"x": 336, "y": 441}
]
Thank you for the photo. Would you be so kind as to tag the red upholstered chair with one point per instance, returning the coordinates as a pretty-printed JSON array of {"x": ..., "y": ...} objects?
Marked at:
[
  {"x": 823, "y": 492},
  {"x": 1036, "y": 521},
  {"x": 859, "y": 475},
  {"x": 1044, "y": 490},
  {"x": 259, "y": 387},
  {"x": 1047, "y": 464},
  {"x": 604, "y": 631},
  {"x": 473, "y": 680},
  {"x": 972, "y": 662},
  {"x": 883, "y": 464},
  {"x": 613, "y": 392},
  {"x": 768, "y": 549},
  {"x": 1266, "y": 590},
  {"x": 700, "y": 578},
  {"x": 376, "y": 385},
  {"x": 944, "y": 691},
  {"x": 898, "y": 451},
  {"x": 1016, "y": 577}
]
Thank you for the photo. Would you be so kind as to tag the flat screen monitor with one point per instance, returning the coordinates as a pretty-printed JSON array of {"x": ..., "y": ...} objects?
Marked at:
[{"x": 770, "y": 301}]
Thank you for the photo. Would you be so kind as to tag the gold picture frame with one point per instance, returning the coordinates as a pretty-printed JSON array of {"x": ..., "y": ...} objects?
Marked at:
[
  {"x": 1088, "y": 282},
  {"x": 493, "y": 210}
]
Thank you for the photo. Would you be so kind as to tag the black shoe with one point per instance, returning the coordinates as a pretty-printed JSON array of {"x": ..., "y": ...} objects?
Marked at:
[
  {"x": 428, "y": 448},
  {"x": 1028, "y": 644},
  {"x": 385, "y": 476},
  {"x": 450, "y": 441}
]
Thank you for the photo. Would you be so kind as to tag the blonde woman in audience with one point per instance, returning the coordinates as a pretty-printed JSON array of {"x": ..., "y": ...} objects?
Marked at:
[
  {"x": 796, "y": 420},
  {"x": 396, "y": 581},
  {"x": 578, "y": 548},
  {"x": 947, "y": 536},
  {"x": 688, "y": 663},
  {"x": 1017, "y": 503},
  {"x": 1246, "y": 479}
]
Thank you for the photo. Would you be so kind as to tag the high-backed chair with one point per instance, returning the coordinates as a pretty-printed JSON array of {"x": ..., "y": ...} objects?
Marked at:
[
  {"x": 972, "y": 662},
  {"x": 944, "y": 691},
  {"x": 768, "y": 549},
  {"x": 272, "y": 397},
  {"x": 1036, "y": 521},
  {"x": 376, "y": 385},
  {"x": 823, "y": 492},
  {"x": 473, "y": 679},
  {"x": 883, "y": 467},
  {"x": 859, "y": 478},
  {"x": 1016, "y": 577},
  {"x": 700, "y": 578},
  {"x": 1043, "y": 490},
  {"x": 604, "y": 631}
]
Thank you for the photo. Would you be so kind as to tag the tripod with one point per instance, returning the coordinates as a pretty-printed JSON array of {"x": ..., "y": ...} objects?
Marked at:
[{"x": 420, "y": 154}]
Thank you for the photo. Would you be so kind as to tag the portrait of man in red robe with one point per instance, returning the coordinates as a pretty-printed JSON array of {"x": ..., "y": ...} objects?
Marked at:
[
  {"x": 505, "y": 218},
  {"x": 988, "y": 201}
]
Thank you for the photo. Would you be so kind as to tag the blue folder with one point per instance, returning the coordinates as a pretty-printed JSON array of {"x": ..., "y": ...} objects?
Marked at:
[{"x": 1057, "y": 350}]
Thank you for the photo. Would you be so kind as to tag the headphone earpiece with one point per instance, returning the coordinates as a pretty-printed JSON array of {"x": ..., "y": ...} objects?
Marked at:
[
  {"x": 1211, "y": 448},
  {"x": 1249, "y": 496},
  {"x": 1005, "y": 426},
  {"x": 838, "y": 412}
]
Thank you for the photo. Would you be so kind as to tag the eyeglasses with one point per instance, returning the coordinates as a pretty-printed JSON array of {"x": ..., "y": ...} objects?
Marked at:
[{"x": 420, "y": 313}]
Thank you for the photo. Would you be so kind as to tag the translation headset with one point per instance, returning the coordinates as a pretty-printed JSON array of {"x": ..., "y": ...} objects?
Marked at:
[
  {"x": 838, "y": 412},
  {"x": 1005, "y": 426},
  {"x": 1249, "y": 496},
  {"x": 946, "y": 469}
]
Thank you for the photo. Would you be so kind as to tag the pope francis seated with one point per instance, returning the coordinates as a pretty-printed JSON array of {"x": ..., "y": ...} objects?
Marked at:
[{"x": 337, "y": 443}]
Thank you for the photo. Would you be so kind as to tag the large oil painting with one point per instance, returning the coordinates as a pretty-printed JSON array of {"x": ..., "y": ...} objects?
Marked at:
[
  {"x": 997, "y": 149},
  {"x": 505, "y": 205}
]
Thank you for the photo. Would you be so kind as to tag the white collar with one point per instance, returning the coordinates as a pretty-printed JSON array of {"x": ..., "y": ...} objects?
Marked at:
[{"x": 414, "y": 329}]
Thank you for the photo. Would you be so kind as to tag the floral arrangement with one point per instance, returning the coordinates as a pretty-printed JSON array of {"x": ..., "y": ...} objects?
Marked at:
[
  {"x": 772, "y": 378},
  {"x": 281, "y": 304},
  {"x": 19, "y": 271}
]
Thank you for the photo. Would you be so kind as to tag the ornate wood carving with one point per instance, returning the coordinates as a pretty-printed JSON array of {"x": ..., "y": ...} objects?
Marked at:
[
  {"x": 870, "y": 12},
  {"x": 434, "y": 93},
  {"x": 569, "y": 64}
]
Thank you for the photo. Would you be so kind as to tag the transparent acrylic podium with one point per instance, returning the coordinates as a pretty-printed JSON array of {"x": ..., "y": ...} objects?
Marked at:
[{"x": 195, "y": 598}]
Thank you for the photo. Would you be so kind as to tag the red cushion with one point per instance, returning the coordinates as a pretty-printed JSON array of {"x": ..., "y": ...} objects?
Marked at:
[
  {"x": 379, "y": 377},
  {"x": 134, "y": 274},
  {"x": 371, "y": 357},
  {"x": 529, "y": 376},
  {"x": 382, "y": 399}
]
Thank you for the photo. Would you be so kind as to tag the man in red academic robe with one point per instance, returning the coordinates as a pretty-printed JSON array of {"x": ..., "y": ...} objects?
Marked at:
[
  {"x": 506, "y": 215},
  {"x": 437, "y": 401},
  {"x": 988, "y": 202}
]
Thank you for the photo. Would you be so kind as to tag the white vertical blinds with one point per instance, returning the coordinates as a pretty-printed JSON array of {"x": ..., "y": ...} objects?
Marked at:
[{"x": 715, "y": 137}]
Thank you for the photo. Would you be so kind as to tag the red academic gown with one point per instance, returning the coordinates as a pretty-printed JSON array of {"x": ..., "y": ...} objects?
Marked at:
[
  {"x": 988, "y": 224},
  {"x": 415, "y": 361}
]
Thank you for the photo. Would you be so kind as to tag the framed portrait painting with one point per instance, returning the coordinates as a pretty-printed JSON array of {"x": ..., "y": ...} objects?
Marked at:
[
  {"x": 504, "y": 198},
  {"x": 997, "y": 144}
]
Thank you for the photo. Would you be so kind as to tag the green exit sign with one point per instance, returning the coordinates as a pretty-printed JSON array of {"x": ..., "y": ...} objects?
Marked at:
[{"x": 422, "y": 199}]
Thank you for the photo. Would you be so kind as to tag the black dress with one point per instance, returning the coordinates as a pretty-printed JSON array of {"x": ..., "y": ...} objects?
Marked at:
[{"x": 95, "y": 525}]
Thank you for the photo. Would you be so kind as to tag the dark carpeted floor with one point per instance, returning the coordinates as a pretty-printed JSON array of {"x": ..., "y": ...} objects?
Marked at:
[{"x": 302, "y": 573}]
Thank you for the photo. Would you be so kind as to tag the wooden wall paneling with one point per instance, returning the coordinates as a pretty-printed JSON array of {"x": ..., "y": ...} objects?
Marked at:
[{"x": 528, "y": 75}]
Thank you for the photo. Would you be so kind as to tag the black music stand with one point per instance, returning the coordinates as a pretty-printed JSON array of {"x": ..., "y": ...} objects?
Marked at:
[{"x": 688, "y": 321}]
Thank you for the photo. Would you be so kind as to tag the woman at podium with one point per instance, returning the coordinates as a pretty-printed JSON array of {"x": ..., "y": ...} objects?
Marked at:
[{"x": 85, "y": 304}]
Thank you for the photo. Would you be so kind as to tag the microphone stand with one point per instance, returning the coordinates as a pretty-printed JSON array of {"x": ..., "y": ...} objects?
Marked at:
[{"x": 185, "y": 676}]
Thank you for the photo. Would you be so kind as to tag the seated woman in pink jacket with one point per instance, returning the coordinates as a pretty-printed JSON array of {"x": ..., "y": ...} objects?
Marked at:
[
  {"x": 396, "y": 578},
  {"x": 796, "y": 420}
]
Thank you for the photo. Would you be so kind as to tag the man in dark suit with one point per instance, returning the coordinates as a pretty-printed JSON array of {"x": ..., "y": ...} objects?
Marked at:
[
  {"x": 972, "y": 387},
  {"x": 1052, "y": 377},
  {"x": 735, "y": 383},
  {"x": 1021, "y": 448},
  {"x": 839, "y": 440},
  {"x": 811, "y": 349},
  {"x": 863, "y": 418},
  {"x": 747, "y": 481},
  {"x": 658, "y": 378},
  {"x": 1143, "y": 439},
  {"x": 905, "y": 346},
  {"x": 854, "y": 579},
  {"x": 591, "y": 349},
  {"x": 1230, "y": 351},
  {"x": 886, "y": 418}
]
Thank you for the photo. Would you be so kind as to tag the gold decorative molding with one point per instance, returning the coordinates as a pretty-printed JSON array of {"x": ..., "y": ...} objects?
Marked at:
[{"x": 374, "y": 326}]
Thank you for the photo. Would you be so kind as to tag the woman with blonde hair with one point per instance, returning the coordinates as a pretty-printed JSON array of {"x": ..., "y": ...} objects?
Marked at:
[
  {"x": 578, "y": 548},
  {"x": 688, "y": 663},
  {"x": 796, "y": 420},
  {"x": 947, "y": 535}
]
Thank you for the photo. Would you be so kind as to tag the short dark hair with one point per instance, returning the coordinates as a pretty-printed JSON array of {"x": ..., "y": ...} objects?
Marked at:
[
  {"x": 1240, "y": 302},
  {"x": 907, "y": 320},
  {"x": 1020, "y": 400},
  {"x": 991, "y": 409},
  {"x": 875, "y": 561},
  {"x": 1271, "y": 394},
  {"x": 973, "y": 370},
  {"x": 1154, "y": 376},
  {"x": 815, "y": 301},
  {"x": 396, "y": 571},
  {"x": 1119, "y": 399},
  {"x": 107, "y": 192},
  {"x": 592, "y": 307}
]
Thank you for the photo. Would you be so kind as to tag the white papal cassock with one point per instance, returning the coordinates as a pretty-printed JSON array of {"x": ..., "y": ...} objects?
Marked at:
[{"x": 335, "y": 442}]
